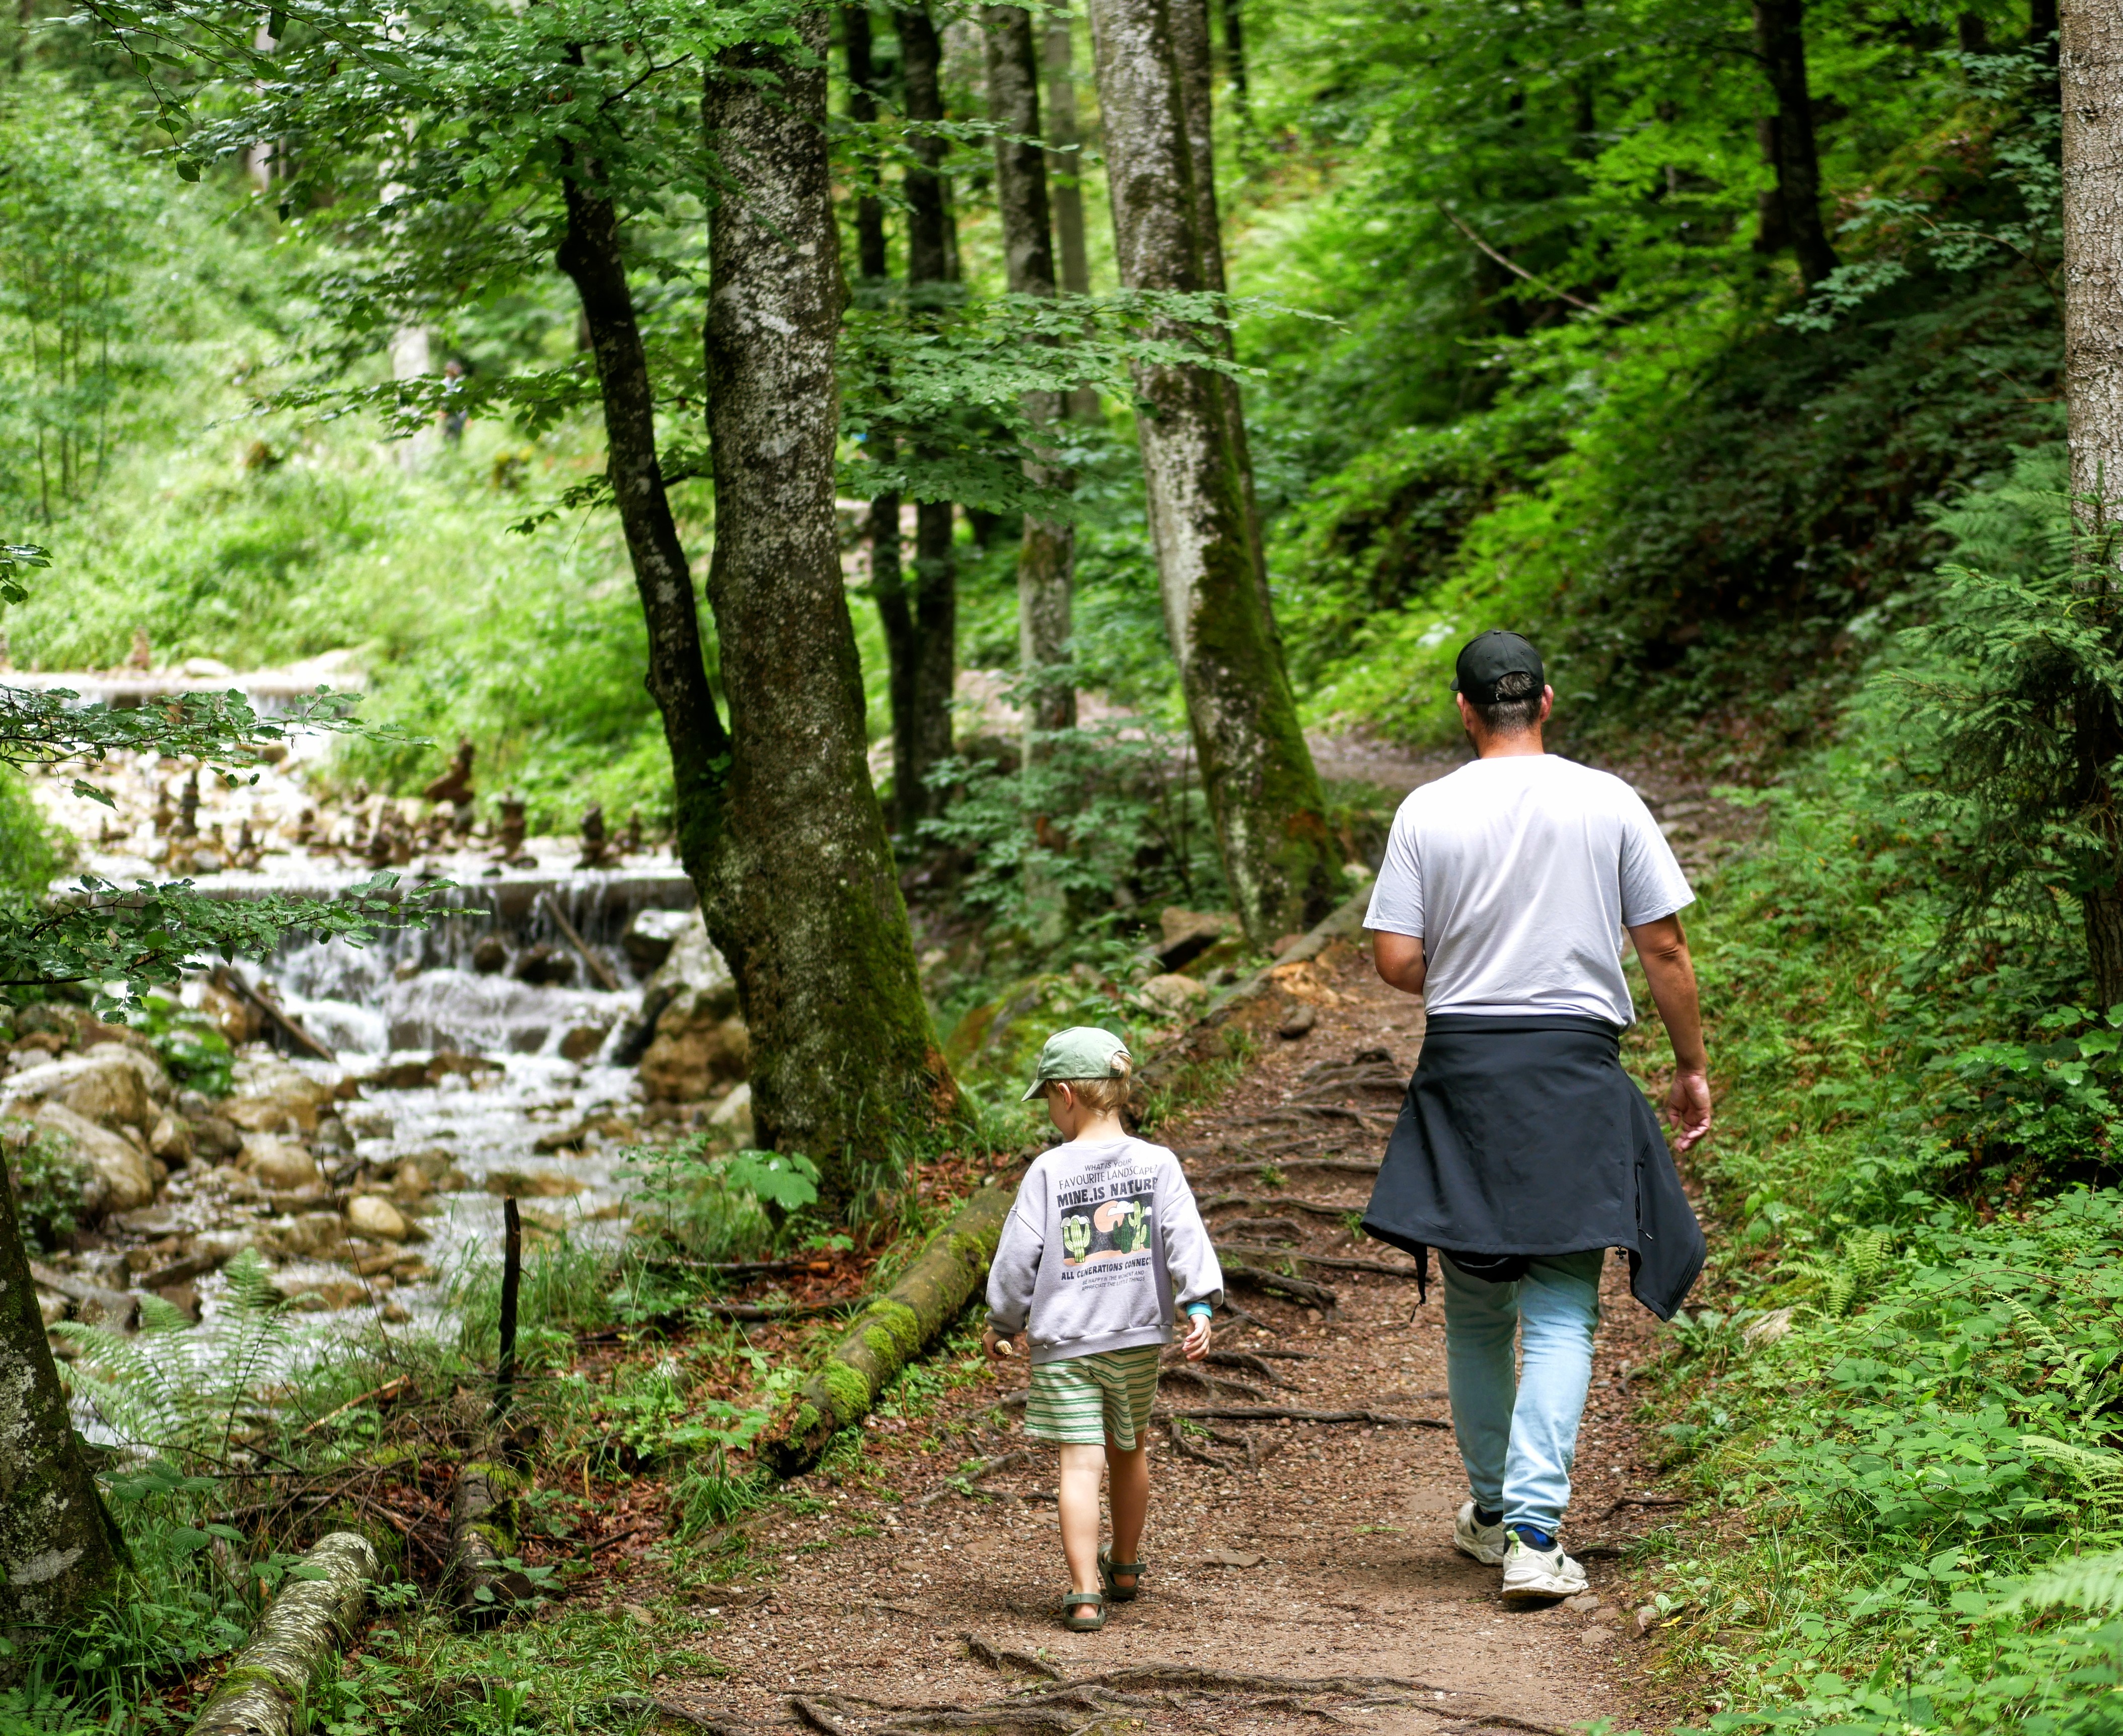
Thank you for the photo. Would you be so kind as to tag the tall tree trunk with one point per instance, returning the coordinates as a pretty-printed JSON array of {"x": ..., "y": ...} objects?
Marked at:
[
  {"x": 862, "y": 109},
  {"x": 920, "y": 629},
  {"x": 58, "y": 1549},
  {"x": 1234, "y": 57},
  {"x": 1065, "y": 169},
  {"x": 803, "y": 881},
  {"x": 591, "y": 254},
  {"x": 1064, "y": 166},
  {"x": 1780, "y": 41},
  {"x": 2090, "y": 66},
  {"x": 1190, "y": 43},
  {"x": 1046, "y": 556},
  {"x": 1263, "y": 792}
]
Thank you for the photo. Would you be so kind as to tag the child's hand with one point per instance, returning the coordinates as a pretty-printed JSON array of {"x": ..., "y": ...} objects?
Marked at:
[
  {"x": 1196, "y": 1343},
  {"x": 995, "y": 1346}
]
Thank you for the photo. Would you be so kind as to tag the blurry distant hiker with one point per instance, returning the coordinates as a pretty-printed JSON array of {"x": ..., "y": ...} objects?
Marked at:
[
  {"x": 1102, "y": 1247},
  {"x": 1523, "y": 1151}
]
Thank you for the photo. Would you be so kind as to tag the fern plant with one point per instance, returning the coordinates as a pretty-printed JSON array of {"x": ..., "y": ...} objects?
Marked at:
[
  {"x": 2090, "y": 1583},
  {"x": 172, "y": 1389}
]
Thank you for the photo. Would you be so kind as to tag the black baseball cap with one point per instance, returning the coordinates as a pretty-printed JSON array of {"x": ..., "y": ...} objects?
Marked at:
[{"x": 1487, "y": 658}]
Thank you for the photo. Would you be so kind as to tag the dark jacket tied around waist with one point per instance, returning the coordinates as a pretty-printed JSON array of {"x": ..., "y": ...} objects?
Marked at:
[{"x": 1524, "y": 1136}]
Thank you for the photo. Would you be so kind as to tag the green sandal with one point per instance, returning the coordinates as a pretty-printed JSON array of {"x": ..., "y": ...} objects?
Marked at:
[
  {"x": 1083, "y": 1624},
  {"x": 1109, "y": 1572}
]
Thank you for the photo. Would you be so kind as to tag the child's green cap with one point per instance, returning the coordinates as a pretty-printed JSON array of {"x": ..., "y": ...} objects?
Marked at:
[{"x": 1081, "y": 1052}]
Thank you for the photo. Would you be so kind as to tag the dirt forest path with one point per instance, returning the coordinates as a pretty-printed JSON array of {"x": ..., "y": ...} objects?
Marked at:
[{"x": 1307, "y": 1550}]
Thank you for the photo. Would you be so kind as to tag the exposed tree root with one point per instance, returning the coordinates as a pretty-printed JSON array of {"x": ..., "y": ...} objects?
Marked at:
[
  {"x": 1323, "y": 1166},
  {"x": 1260, "y": 1202},
  {"x": 1301, "y": 1290},
  {"x": 1338, "y": 1262},
  {"x": 1277, "y": 1414},
  {"x": 961, "y": 1484}
]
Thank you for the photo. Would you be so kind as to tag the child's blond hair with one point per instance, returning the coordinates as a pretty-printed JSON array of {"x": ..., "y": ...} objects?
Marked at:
[{"x": 1102, "y": 1096}]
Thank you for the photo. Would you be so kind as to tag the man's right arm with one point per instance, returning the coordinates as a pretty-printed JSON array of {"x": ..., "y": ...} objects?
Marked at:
[{"x": 1400, "y": 960}]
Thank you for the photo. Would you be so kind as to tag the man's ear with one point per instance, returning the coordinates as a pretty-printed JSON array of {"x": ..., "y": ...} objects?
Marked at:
[{"x": 1547, "y": 703}]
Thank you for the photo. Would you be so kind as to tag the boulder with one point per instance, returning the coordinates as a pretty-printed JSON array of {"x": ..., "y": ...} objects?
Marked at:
[
  {"x": 732, "y": 1115},
  {"x": 367, "y": 1215},
  {"x": 306, "y": 1233},
  {"x": 1185, "y": 935},
  {"x": 693, "y": 1051},
  {"x": 171, "y": 1139},
  {"x": 650, "y": 937},
  {"x": 97, "y": 1088},
  {"x": 1175, "y": 994},
  {"x": 270, "y": 1093},
  {"x": 121, "y": 1179},
  {"x": 692, "y": 977},
  {"x": 279, "y": 1165},
  {"x": 154, "y": 1077},
  {"x": 216, "y": 1139}
]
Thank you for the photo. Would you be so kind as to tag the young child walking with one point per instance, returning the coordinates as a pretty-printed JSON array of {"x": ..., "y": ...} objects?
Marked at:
[{"x": 1103, "y": 1248}]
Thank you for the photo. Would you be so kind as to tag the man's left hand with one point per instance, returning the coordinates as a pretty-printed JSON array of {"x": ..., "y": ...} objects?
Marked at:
[{"x": 1688, "y": 1108}]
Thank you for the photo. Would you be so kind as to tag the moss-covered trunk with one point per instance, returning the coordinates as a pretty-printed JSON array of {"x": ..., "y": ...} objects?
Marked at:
[
  {"x": 57, "y": 1547},
  {"x": 1263, "y": 793},
  {"x": 1047, "y": 556},
  {"x": 892, "y": 1331},
  {"x": 803, "y": 896}
]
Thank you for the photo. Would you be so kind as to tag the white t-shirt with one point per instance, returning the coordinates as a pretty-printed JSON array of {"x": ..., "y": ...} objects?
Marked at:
[{"x": 1518, "y": 875}]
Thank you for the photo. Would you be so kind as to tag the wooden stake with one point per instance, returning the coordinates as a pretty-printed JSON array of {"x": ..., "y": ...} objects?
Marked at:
[
  {"x": 512, "y": 1280},
  {"x": 598, "y": 969}
]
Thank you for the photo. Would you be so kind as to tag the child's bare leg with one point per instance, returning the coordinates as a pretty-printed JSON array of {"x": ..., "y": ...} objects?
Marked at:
[
  {"x": 1081, "y": 1468},
  {"x": 1129, "y": 1493}
]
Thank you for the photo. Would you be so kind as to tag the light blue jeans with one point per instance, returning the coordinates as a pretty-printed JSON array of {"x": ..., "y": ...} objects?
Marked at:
[{"x": 1519, "y": 1434}]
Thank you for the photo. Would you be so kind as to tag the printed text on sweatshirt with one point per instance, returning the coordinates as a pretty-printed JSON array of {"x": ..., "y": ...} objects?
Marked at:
[{"x": 1103, "y": 1248}]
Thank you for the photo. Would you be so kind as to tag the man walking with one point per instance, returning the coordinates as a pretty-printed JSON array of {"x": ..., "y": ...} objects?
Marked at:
[{"x": 1524, "y": 1152}]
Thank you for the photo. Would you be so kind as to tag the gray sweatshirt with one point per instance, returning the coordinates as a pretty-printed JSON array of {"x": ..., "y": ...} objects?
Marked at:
[{"x": 1103, "y": 1246}]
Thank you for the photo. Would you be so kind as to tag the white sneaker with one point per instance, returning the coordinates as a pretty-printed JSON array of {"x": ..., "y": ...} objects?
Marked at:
[
  {"x": 1486, "y": 1543},
  {"x": 1538, "y": 1573}
]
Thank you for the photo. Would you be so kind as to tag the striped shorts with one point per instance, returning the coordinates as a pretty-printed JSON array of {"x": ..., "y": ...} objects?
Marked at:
[{"x": 1086, "y": 1400}]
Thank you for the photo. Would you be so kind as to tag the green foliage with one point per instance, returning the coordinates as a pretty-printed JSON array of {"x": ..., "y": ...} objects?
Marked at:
[
  {"x": 195, "y": 1053},
  {"x": 47, "y": 1178},
  {"x": 32, "y": 852},
  {"x": 171, "y": 1388},
  {"x": 1104, "y": 821}
]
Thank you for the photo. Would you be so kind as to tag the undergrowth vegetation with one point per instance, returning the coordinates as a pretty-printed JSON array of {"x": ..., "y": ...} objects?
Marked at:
[{"x": 1900, "y": 1410}]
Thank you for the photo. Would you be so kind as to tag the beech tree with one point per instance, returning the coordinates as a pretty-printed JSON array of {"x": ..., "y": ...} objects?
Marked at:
[
  {"x": 1792, "y": 217},
  {"x": 1263, "y": 793},
  {"x": 921, "y": 618},
  {"x": 1046, "y": 557},
  {"x": 2090, "y": 70}
]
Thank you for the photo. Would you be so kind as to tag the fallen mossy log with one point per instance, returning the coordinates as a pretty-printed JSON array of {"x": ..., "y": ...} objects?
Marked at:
[
  {"x": 482, "y": 1541},
  {"x": 267, "y": 1689},
  {"x": 892, "y": 1331}
]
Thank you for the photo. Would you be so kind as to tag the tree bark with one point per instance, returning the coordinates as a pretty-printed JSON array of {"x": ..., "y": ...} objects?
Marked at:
[
  {"x": 1235, "y": 57},
  {"x": 1780, "y": 41},
  {"x": 862, "y": 108},
  {"x": 803, "y": 899},
  {"x": 2090, "y": 67},
  {"x": 892, "y": 1330},
  {"x": 1065, "y": 166},
  {"x": 266, "y": 1690},
  {"x": 591, "y": 254},
  {"x": 1263, "y": 793},
  {"x": 2092, "y": 70},
  {"x": 59, "y": 1548},
  {"x": 1046, "y": 557},
  {"x": 920, "y": 627}
]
